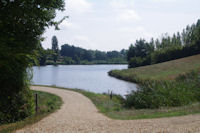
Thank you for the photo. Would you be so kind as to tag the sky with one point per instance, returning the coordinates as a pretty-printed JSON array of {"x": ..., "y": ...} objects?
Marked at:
[{"x": 115, "y": 24}]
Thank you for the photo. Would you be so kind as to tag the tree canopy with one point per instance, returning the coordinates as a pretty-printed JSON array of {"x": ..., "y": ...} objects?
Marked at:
[
  {"x": 167, "y": 48},
  {"x": 22, "y": 23},
  {"x": 92, "y": 55}
]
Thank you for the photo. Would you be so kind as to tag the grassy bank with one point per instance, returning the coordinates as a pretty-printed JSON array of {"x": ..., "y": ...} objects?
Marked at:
[
  {"x": 116, "y": 108},
  {"x": 170, "y": 84},
  {"x": 162, "y": 71},
  {"x": 47, "y": 103}
]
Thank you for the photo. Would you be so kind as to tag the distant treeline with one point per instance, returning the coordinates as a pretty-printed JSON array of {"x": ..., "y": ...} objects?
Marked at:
[
  {"x": 167, "y": 48},
  {"x": 69, "y": 54}
]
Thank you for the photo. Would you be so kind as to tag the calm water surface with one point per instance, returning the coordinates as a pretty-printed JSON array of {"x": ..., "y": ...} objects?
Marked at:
[{"x": 92, "y": 78}]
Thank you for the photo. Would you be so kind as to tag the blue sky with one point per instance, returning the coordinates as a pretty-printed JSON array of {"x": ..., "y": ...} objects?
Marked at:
[{"x": 115, "y": 24}]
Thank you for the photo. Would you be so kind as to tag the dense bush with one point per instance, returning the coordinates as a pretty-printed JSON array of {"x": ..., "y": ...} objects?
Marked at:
[
  {"x": 155, "y": 94},
  {"x": 16, "y": 101},
  {"x": 138, "y": 61},
  {"x": 175, "y": 53}
]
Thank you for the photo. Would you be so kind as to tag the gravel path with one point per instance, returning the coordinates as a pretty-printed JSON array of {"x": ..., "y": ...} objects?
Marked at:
[{"x": 79, "y": 115}]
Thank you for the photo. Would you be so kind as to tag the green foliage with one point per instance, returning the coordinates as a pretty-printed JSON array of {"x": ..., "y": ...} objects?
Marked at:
[
  {"x": 138, "y": 61},
  {"x": 55, "y": 48},
  {"x": 161, "y": 71},
  {"x": 168, "y": 84},
  {"x": 168, "y": 48},
  {"x": 175, "y": 53},
  {"x": 141, "y": 49},
  {"x": 41, "y": 55},
  {"x": 156, "y": 94},
  {"x": 103, "y": 102},
  {"x": 76, "y": 55},
  {"x": 90, "y": 55},
  {"x": 68, "y": 60},
  {"x": 48, "y": 103},
  {"x": 139, "y": 55},
  {"x": 16, "y": 100},
  {"x": 22, "y": 22}
]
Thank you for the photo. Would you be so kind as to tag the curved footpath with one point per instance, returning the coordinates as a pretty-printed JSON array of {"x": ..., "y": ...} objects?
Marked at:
[{"x": 79, "y": 115}]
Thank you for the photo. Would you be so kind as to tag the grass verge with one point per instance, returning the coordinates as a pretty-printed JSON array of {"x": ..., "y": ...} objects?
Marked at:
[
  {"x": 47, "y": 103},
  {"x": 162, "y": 71},
  {"x": 115, "y": 108}
]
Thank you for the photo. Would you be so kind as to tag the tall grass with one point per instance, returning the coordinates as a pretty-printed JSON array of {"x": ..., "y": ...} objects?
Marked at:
[{"x": 184, "y": 90}]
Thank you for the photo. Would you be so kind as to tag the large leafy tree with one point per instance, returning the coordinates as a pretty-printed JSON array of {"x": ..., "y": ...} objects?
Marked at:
[
  {"x": 140, "y": 53},
  {"x": 22, "y": 22},
  {"x": 141, "y": 49}
]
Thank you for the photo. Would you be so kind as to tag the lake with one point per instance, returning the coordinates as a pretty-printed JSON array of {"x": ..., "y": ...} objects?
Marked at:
[{"x": 92, "y": 78}]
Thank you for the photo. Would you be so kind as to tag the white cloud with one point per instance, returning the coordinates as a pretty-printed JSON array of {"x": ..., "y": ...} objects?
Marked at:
[
  {"x": 82, "y": 38},
  {"x": 165, "y": 1},
  {"x": 69, "y": 25},
  {"x": 140, "y": 29},
  {"x": 143, "y": 33},
  {"x": 122, "y": 4},
  {"x": 128, "y": 15},
  {"x": 124, "y": 10},
  {"x": 131, "y": 33},
  {"x": 83, "y": 41},
  {"x": 79, "y": 6}
]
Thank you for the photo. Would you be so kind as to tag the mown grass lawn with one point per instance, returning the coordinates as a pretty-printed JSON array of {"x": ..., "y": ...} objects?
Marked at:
[{"x": 47, "y": 103}]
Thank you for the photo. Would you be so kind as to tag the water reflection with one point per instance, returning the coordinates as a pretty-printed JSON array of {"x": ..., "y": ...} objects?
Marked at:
[{"x": 92, "y": 78}]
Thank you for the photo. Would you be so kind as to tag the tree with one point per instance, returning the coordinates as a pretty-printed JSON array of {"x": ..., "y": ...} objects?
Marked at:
[
  {"x": 167, "y": 48},
  {"x": 100, "y": 55},
  {"x": 91, "y": 55},
  {"x": 140, "y": 54},
  {"x": 113, "y": 54},
  {"x": 178, "y": 40},
  {"x": 55, "y": 48},
  {"x": 157, "y": 43},
  {"x": 143, "y": 48},
  {"x": 42, "y": 55},
  {"x": 131, "y": 52},
  {"x": 88, "y": 55},
  {"x": 123, "y": 52},
  {"x": 22, "y": 23}
]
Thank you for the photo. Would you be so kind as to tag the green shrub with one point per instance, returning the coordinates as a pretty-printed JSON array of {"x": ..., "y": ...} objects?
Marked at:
[
  {"x": 155, "y": 94},
  {"x": 16, "y": 100},
  {"x": 139, "y": 61},
  {"x": 68, "y": 61}
]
